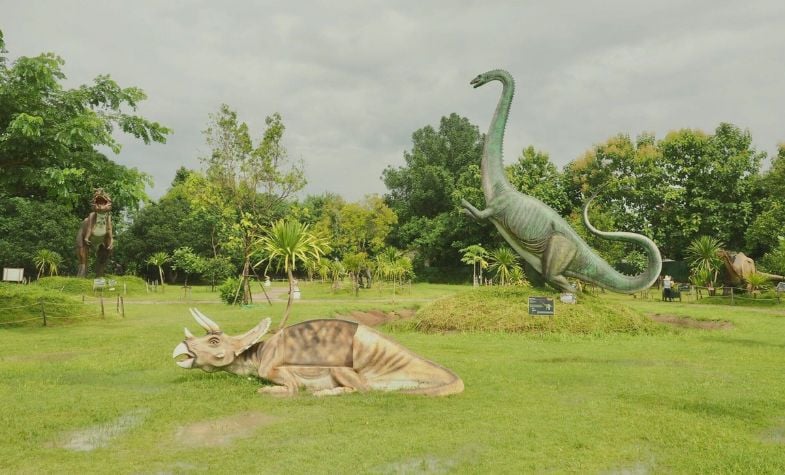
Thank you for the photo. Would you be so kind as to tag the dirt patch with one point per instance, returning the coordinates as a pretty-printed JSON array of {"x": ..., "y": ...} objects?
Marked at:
[
  {"x": 374, "y": 318},
  {"x": 687, "y": 322},
  {"x": 222, "y": 431}
]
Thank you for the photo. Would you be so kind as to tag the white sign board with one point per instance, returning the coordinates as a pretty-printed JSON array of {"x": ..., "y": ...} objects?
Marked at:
[{"x": 13, "y": 275}]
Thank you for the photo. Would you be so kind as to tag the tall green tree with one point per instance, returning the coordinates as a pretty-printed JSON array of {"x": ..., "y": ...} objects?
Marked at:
[
  {"x": 174, "y": 220},
  {"x": 49, "y": 134},
  {"x": 252, "y": 180},
  {"x": 767, "y": 226},
  {"x": 441, "y": 168}
]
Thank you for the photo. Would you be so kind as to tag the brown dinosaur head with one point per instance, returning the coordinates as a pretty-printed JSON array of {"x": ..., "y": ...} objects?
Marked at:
[
  {"x": 215, "y": 350},
  {"x": 102, "y": 203}
]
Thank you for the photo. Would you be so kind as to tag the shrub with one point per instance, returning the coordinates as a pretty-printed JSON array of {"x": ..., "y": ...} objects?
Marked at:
[{"x": 228, "y": 291}]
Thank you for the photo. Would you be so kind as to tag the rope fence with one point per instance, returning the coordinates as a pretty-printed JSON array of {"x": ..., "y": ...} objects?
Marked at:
[
  {"x": 698, "y": 291},
  {"x": 46, "y": 310}
]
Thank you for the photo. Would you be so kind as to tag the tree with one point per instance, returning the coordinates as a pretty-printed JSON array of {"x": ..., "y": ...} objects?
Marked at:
[
  {"x": 534, "y": 174},
  {"x": 762, "y": 235},
  {"x": 175, "y": 220},
  {"x": 28, "y": 225},
  {"x": 49, "y": 134},
  {"x": 158, "y": 260},
  {"x": 184, "y": 258},
  {"x": 504, "y": 262},
  {"x": 217, "y": 269},
  {"x": 774, "y": 260},
  {"x": 286, "y": 243},
  {"x": 354, "y": 263},
  {"x": 476, "y": 256},
  {"x": 46, "y": 259},
  {"x": 251, "y": 182},
  {"x": 441, "y": 168}
]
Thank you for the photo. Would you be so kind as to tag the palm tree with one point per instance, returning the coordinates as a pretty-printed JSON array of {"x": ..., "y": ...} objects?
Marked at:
[
  {"x": 755, "y": 282},
  {"x": 475, "y": 255},
  {"x": 44, "y": 258},
  {"x": 286, "y": 244},
  {"x": 503, "y": 262},
  {"x": 159, "y": 259},
  {"x": 702, "y": 253}
]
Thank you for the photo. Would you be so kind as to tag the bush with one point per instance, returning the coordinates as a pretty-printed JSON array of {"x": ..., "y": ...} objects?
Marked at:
[{"x": 228, "y": 291}]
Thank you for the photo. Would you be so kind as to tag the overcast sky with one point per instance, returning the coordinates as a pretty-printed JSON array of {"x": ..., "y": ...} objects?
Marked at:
[{"x": 354, "y": 79}]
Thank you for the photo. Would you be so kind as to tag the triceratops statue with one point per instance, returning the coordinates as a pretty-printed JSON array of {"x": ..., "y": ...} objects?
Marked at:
[{"x": 326, "y": 357}]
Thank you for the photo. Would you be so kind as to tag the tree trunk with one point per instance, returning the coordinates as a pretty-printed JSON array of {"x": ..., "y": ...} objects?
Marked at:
[
  {"x": 161, "y": 276},
  {"x": 289, "y": 301}
]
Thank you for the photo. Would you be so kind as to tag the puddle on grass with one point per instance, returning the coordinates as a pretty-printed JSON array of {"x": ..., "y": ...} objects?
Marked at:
[
  {"x": 639, "y": 468},
  {"x": 222, "y": 431},
  {"x": 95, "y": 437},
  {"x": 775, "y": 435},
  {"x": 427, "y": 464},
  {"x": 687, "y": 322}
]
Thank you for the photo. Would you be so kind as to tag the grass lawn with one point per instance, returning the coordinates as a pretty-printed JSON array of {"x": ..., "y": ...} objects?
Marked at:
[{"x": 104, "y": 395}]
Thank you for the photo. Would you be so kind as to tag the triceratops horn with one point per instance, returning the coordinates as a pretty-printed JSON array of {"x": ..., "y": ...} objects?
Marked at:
[
  {"x": 204, "y": 321},
  {"x": 188, "y": 333}
]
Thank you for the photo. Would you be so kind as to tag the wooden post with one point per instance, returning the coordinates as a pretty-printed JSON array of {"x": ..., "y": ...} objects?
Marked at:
[
  {"x": 102, "y": 305},
  {"x": 82, "y": 298},
  {"x": 43, "y": 312},
  {"x": 146, "y": 287},
  {"x": 122, "y": 307},
  {"x": 117, "y": 305},
  {"x": 731, "y": 296}
]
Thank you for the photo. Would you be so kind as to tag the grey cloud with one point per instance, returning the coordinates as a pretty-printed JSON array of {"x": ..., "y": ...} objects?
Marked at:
[{"x": 353, "y": 80}]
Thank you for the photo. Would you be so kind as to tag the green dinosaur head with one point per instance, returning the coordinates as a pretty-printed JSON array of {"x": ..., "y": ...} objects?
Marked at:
[{"x": 493, "y": 75}]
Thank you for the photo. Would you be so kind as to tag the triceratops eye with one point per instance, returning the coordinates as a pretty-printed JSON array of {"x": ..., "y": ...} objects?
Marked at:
[{"x": 214, "y": 340}]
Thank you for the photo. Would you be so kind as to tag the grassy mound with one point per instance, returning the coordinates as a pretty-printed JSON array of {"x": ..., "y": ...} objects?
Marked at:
[
  {"x": 78, "y": 286},
  {"x": 506, "y": 309},
  {"x": 20, "y": 305}
]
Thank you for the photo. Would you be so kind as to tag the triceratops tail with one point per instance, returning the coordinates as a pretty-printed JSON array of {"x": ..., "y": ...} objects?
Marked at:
[
  {"x": 386, "y": 365},
  {"x": 453, "y": 387},
  {"x": 606, "y": 276}
]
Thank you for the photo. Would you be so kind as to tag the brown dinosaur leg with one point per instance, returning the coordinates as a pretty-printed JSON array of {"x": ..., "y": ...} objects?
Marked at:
[
  {"x": 82, "y": 253},
  {"x": 102, "y": 256}
]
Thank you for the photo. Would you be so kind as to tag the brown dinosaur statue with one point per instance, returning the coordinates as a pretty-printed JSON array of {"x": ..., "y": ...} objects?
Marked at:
[
  {"x": 738, "y": 267},
  {"x": 326, "y": 357},
  {"x": 97, "y": 224}
]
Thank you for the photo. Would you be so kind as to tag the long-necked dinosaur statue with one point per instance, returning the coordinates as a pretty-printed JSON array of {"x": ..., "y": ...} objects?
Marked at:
[
  {"x": 326, "y": 357},
  {"x": 537, "y": 232}
]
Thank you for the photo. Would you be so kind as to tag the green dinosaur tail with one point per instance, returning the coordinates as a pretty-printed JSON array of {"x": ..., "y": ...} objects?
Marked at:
[{"x": 604, "y": 275}]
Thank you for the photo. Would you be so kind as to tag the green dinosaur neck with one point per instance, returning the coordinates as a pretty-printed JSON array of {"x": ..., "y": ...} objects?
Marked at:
[{"x": 493, "y": 176}]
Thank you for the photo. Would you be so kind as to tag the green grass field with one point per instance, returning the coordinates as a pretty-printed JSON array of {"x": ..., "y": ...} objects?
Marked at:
[{"x": 104, "y": 395}]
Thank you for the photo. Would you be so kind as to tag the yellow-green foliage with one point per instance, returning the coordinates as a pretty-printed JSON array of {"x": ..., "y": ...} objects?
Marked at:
[
  {"x": 20, "y": 305},
  {"x": 506, "y": 309}
]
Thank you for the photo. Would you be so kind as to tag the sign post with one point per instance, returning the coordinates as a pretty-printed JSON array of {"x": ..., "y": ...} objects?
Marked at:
[{"x": 542, "y": 306}]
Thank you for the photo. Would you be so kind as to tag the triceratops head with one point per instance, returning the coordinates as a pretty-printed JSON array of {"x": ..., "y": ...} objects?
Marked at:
[{"x": 215, "y": 350}]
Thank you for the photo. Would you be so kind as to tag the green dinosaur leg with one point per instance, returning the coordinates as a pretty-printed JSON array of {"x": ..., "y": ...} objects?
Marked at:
[
  {"x": 470, "y": 210},
  {"x": 559, "y": 252}
]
